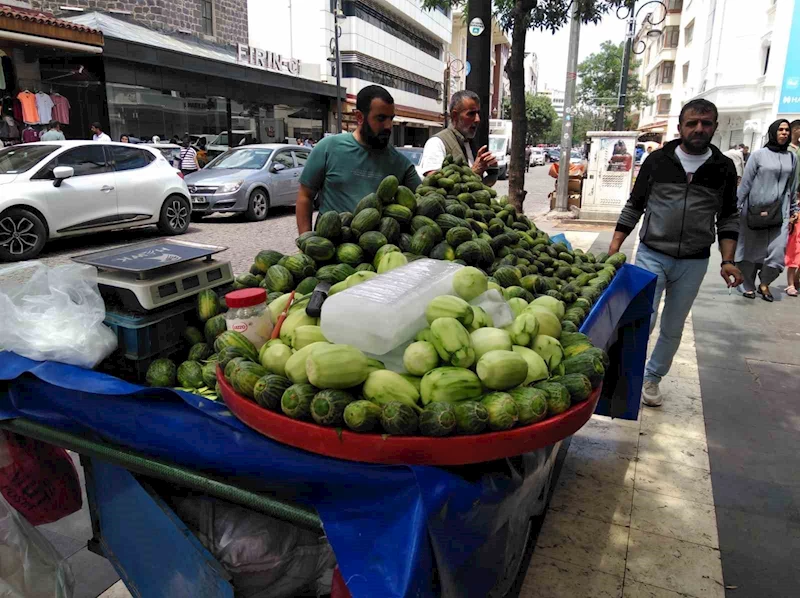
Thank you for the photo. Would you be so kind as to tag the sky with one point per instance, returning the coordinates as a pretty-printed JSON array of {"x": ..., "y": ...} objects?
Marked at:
[{"x": 551, "y": 49}]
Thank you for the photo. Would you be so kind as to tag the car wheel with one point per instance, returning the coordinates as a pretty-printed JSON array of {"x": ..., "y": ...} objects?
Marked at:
[
  {"x": 257, "y": 205},
  {"x": 175, "y": 215},
  {"x": 22, "y": 235}
]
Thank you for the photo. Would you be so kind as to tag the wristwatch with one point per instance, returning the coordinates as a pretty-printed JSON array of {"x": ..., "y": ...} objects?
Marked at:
[{"x": 727, "y": 262}]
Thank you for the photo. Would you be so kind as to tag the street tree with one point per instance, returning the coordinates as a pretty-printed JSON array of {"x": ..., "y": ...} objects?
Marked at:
[
  {"x": 539, "y": 115},
  {"x": 517, "y": 16},
  {"x": 598, "y": 83}
]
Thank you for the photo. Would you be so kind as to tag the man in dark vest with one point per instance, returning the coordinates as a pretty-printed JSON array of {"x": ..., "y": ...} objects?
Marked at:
[{"x": 465, "y": 108}]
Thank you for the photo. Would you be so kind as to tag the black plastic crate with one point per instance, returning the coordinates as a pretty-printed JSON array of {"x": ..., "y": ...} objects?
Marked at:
[{"x": 140, "y": 336}]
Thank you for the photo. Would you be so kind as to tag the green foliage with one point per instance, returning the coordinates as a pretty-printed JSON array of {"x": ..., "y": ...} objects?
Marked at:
[
  {"x": 598, "y": 88},
  {"x": 539, "y": 113}
]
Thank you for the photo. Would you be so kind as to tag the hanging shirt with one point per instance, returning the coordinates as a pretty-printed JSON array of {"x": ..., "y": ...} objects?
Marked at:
[
  {"x": 60, "y": 108},
  {"x": 29, "y": 135},
  {"x": 30, "y": 114},
  {"x": 44, "y": 106}
]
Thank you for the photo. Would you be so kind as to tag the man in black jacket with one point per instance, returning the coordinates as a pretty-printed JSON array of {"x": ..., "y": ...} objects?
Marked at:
[{"x": 687, "y": 194}]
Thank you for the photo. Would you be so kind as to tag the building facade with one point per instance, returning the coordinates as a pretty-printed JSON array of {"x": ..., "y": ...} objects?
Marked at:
[
  {"x": 392, "y": 43},
  {"x": 730, "y": 52},
  {"x": 556, "y": 98},
  {"x": 532, "y": 73},
  {"x": 165, "y": 81},
  {"x": 499, "y": 85},
  {"x": 221, "y": 21}
]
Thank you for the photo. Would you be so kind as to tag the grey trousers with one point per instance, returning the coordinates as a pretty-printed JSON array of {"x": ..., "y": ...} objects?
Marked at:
[{"x": 767, "y": 274}]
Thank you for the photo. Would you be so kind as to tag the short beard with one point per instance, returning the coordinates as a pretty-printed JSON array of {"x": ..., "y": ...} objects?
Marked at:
[
  {"x": 693, "y": 144},
  {"x": 378, "y": 142}
]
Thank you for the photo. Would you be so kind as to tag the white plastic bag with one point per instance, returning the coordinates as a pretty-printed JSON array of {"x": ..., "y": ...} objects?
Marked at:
[
  {"x": 30, "y": 567},
  {"x": 54, "y": 314}
]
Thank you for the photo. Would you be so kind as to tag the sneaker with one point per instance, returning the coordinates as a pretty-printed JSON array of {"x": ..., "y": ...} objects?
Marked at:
[{"x": 651, "y": 395}]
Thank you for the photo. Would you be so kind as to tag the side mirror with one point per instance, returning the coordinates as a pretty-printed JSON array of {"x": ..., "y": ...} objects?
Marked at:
[
  {"x": 278, "y": 167},
  {"x": 60, "y": 173}
]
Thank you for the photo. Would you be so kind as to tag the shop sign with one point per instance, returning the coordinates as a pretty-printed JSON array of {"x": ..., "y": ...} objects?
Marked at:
[
  {"x": 270, "y": 61},
  {"x": 790, "y": 88}
]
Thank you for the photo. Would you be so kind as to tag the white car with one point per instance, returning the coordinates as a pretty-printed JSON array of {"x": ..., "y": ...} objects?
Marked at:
[
  {"x": 57, "y": 189},
  {"x": 537, "y": 157}
]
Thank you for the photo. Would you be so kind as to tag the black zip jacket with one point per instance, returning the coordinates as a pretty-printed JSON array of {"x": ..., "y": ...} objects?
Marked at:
[{"x": 682, "y": 219}]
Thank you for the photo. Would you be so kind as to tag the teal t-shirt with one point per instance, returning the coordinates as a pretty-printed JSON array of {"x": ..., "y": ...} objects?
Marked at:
[{"x": 343, "y": 171}]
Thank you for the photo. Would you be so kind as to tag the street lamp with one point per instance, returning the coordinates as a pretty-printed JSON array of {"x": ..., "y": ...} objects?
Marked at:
[
  {"x": 338, "y": 15},
  {"x": 630, "y": 18},
  {"x": 453, "y": 69}
]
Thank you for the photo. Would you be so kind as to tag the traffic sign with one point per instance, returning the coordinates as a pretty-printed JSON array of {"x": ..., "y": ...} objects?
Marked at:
[{"x": 476, "y": 26}]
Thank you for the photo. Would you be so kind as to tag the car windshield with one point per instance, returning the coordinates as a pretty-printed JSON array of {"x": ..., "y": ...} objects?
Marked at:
[
  {"x": 497, "y": 144},
  {"x": 20, "y": 158},
  {"x": 246, "y": 158},
  {"x": 414, "y": 154}
]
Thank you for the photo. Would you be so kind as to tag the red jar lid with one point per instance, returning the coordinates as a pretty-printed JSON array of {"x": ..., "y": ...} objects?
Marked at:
[{"x": 246, "y": 297}]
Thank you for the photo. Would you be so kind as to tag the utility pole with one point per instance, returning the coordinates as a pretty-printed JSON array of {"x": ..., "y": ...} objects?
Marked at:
[
  {"x": 619, "y": 121},
  {"x": 479, "y": 52},
  {"x": 338, "y": 67},
  {"x": 562, "y": 191}
]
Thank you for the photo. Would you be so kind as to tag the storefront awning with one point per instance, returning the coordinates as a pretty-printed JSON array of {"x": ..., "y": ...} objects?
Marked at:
[
  {"x": 418, "y": 122},
  {"x": 656, "y": 127},
  {"x": 34, "y": 27},
  {"x": 137, "y": 44}
]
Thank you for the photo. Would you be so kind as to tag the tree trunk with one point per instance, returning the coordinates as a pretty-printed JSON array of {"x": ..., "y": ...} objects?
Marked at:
[{"x": 515, "y": 68}]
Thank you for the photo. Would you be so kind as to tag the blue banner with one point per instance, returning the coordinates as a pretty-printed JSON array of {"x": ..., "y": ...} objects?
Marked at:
[{"x": 790, "y": 90}]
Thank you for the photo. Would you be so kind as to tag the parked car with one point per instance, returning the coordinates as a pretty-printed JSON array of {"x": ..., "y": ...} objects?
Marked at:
[
  {"x": 54, "y": 189},
  {"x": 537, "y": 157},
  {"x": 170, "y": 151},
  {"x": 553, "y": 154},
  {"x": 414, "y": 155},
  {"x": 249, "y": 179}
]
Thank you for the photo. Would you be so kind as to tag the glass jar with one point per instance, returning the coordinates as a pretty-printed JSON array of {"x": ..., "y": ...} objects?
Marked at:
[{"x": 247, "y": 313}]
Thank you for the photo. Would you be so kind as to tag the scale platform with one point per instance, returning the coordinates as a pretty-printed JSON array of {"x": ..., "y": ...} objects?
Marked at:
[{"x": 150, "y": 275}]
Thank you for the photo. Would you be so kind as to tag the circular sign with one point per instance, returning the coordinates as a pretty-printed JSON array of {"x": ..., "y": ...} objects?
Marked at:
[
  {"x": 476, "y": 26},
  {"x": 469, "y": 68}
]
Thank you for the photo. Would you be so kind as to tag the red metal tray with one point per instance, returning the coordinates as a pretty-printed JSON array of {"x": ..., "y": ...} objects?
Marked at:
[{"x": 406, "y": 450}]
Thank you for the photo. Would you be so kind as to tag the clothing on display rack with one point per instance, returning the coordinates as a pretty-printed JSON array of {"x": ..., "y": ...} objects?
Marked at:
[
  {"x": 7, "y": 106},
  {"x": 9, "y": 130},
  {"x": 30, "y": 135},
  {"x": 60, "y": 108},
  {"x": 44, "y": 106},
  {"x": 3, "y": 59},
  {"x": 16, "y": 109},
  {"x": 30, "y": 113}
]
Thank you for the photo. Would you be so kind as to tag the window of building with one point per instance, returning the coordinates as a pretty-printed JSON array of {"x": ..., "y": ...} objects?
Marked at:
[
  {"x": 129, "y": 158},
  {"x": 382, "y": 20},
  {"x": 766, "y": 59},
  {"x": 647, "y": 56},
  {"x": 647, "y": 83},
  {"x": 358, "y": 71},
  {"x": 669, "y": 39},
  {"x": 207, "y": 16},
  {"x": 685, "y": 73},
  {"x": 663, "y": 104},
  {"x": 665, "y": 72},
  {"x": 674, "y": 5},
  {"x": 688, "y": 33}
]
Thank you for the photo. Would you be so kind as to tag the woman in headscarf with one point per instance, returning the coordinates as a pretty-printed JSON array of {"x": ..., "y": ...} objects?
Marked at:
[{"x": 766, "y": 204}]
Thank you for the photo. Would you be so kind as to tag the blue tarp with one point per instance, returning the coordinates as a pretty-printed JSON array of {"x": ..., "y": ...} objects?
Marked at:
[{"x": 387, "y": 524}]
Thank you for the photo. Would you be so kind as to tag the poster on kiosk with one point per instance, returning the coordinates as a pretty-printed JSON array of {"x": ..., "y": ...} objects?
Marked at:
[{"x": 609, "y": 174}]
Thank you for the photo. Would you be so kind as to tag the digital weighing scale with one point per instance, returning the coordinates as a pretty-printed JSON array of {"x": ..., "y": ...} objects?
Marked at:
[{"x": 150, "y": 275}]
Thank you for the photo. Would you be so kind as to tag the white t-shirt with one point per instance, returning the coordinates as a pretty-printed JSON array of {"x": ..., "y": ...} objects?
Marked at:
[
  {"x": 44, "y": 106},
  {"x": 434, "y": 153},
  {"x": 691, "y": 162},
  {"x": 101, "y": 137}
]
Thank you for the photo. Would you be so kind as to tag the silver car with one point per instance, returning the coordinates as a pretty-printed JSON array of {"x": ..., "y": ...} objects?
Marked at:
[{"x": 248, "y": 179}]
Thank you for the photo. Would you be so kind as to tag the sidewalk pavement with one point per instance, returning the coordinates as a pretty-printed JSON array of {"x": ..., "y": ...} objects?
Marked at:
[{"x": 700, "y": 497}]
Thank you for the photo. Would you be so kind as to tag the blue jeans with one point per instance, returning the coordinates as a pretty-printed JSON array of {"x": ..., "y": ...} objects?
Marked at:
[{"x": 681, "y": 280}]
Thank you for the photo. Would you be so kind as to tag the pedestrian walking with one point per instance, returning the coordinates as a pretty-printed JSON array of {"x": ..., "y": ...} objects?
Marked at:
[
  {"x": 188, "y": 157},
  {"x": 202, "y": 152},
  {"x": 528, "y": 152},
  {"x": 124, "y": 139},
  {"x": 745, "y": 152},
  {"x": 688, "y": 176},
  {"x": 767, "y": 201},
  {"x": 53, "y": 132},
  {"x": 97, "y": 133},
  {"x": 737, "y": 157},
  {"x": 792, "y": 257}
]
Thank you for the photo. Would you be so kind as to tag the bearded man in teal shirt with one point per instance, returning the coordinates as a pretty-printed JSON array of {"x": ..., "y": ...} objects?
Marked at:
[{"x": 344, "y": 168}]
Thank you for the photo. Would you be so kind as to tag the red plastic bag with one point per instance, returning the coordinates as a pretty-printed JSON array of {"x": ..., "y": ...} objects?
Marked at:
[{"x": 38, "y": 479}]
